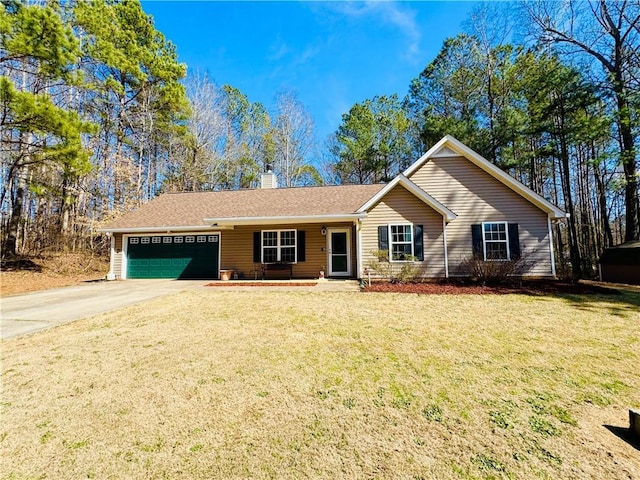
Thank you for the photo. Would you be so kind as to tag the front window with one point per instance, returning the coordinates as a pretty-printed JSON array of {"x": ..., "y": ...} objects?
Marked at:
[
  {"x": 496, "y": 241},
  {"x": 279, "y": 246},
  {"x": 288, "y": 246},
  {"x": 401, "y": 242}
]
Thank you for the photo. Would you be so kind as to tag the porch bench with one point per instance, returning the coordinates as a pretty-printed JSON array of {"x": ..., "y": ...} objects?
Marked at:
[{"x": 277, "y": 267}]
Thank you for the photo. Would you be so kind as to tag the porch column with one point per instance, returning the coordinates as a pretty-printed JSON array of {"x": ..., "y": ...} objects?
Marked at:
[{"x": 112, "y": 275}]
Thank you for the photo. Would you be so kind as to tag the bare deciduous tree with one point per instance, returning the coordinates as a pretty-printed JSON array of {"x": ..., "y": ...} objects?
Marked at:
[
  {"x": 608, "y": 32},
  {"x": 206, "y": 127},
  {"x": 293, "y": 139}
]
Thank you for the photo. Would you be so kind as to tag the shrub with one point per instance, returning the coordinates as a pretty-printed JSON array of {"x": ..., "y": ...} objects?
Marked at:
[
  {"x": 396, "y": 272},
  {"x": 497, "y": 272}
]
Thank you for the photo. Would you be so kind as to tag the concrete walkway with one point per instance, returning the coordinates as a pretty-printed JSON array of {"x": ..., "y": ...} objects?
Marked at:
[
  {"x": 30, "y": 312},
  {"x": 331, "y": 285}
]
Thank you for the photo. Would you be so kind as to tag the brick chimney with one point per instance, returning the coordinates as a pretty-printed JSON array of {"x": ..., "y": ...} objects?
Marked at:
[{"x": 268, "y": 178}]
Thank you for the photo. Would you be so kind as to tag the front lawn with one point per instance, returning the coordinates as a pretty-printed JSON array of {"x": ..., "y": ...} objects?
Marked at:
[{"x": 266, "y": 384}]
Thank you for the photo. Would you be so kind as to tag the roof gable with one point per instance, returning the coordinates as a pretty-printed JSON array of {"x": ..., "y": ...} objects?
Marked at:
[
  {"x": 447, "y": 214},
  {"x": 448, "y": 146}
]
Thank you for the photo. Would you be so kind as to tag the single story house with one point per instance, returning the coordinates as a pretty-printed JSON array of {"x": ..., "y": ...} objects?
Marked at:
[
  {"x": 621, "y": 264},
  {"x": 450, "y": 205}
]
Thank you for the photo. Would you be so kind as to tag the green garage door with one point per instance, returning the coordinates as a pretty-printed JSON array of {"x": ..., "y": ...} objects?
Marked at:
[{"x": 174, "y": 256}]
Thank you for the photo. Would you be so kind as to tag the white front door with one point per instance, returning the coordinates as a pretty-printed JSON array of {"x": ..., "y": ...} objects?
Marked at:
[{"x": 339, "y": 249}]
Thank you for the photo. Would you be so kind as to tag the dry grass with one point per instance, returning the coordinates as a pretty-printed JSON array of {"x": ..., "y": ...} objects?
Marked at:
[
  {"x": 262, "y": 384},
  {"x": 51, "y": 271}
]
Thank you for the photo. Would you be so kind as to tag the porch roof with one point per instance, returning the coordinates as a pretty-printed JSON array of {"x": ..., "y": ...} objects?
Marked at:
[{"x": 197, "y": 210}]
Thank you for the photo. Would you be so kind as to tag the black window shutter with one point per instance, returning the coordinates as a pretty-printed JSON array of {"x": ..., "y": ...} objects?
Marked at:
[
  {"x": 383, "y": 237},
  {"x": 418, "y": 248},
  {"x": 301, "y": 246},
  {"x": 514, "y": 241},
  {"x": 476, "y": 241},
  {"x": 257, "y": 246}
]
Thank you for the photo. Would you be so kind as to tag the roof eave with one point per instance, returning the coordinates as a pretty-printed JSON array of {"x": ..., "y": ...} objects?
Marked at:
[
  {"x": 350, "y": 217},
  {"x": 162, "y": 229},
  {"x": 228, "y": 222}
]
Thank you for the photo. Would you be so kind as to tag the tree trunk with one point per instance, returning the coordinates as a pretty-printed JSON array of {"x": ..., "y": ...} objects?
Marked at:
[
  {"x": 602, "y": 202},
  {"x": 11, "y": 246},
  {"x": 628, "y": 159},
  {"x": 574, "y": 252}
]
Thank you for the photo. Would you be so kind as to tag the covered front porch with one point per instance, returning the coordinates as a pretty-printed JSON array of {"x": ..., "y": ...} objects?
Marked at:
[{"x": 283, "y": 251}]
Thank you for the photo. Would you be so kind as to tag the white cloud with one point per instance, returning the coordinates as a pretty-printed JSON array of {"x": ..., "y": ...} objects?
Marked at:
[
  {"x": 278, "y": 50},
  {"x": 309, "y": 52},
  {"x": 390, "y": 13}
]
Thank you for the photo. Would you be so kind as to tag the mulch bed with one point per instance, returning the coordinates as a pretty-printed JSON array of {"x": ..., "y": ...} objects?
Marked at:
[
  {"x": 527, "y": 288},
  {"x": 262, "y": 284},
  {"x": 453, "y": 288}
]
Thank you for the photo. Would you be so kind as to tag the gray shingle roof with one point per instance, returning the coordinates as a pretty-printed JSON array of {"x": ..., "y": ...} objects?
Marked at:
[{"x": 189, "y": 209}]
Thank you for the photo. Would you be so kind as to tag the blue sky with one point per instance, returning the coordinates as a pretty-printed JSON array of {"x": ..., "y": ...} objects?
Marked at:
[{"x": 333, "y": 54}]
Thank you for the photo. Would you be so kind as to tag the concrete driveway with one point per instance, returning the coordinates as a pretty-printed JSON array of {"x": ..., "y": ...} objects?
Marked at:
[{"x": 30, "y": 312}]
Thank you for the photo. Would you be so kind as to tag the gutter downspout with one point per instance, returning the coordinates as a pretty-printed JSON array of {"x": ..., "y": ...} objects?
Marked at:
[
  {"x": 551, "y": 252},
  {"x": 359, "y": 248}
]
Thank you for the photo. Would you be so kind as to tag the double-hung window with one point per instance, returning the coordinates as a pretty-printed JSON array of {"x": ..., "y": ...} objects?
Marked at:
[
  {"x": 278, "y": 246},
  {"x": 495, "y": 241},
  {"x": 401, "y": 243}
]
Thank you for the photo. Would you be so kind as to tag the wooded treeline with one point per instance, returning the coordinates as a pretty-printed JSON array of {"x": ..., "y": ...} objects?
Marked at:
[{"x": 98, "y": 116}]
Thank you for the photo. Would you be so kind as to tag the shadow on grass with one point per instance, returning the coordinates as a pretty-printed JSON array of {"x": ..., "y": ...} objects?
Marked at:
[
  {"x": 625, "y": 434},
  {"x": 586, "y": 296},
  {"x": 618, "y": 303}
]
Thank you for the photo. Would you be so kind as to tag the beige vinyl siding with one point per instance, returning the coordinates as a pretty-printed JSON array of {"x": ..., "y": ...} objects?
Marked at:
[
  {"x": 117, "y": 255},
  {"x": 399, "y": 206},
  {"x": 237, "y": 248},
  {"x": 476, "y": 197}
]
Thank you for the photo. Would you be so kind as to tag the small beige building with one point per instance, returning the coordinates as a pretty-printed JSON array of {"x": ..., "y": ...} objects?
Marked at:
[{"x": 450, "y": 206}]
